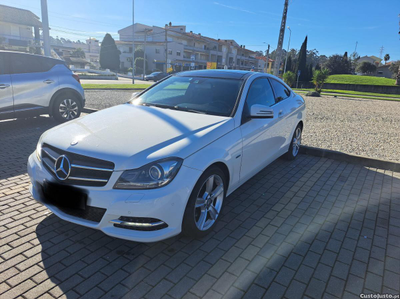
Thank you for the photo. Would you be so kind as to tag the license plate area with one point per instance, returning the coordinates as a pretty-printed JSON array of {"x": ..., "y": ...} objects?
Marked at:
[{"x": 64, "y": 196}]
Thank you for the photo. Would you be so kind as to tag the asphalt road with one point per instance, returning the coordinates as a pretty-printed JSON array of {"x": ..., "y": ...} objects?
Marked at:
[
  {"x": 119, "y": 81},
  {"x": 100, "y": 99}
]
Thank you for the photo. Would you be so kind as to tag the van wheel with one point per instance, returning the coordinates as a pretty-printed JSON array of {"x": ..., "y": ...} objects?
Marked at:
[
  {"x": 205, "y": 203},
  {"x": 66, "y": 107}
]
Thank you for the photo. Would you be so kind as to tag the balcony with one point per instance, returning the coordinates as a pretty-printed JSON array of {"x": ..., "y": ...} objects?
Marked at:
[{"x": 195, "y": 49}]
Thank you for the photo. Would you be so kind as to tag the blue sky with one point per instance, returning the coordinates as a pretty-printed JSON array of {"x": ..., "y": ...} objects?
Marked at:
[{"x": 332, "y": 26}]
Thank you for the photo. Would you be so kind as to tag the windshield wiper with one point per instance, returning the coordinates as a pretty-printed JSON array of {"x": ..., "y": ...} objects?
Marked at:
[
  {"x": 172, "y": 107},
  {"x": 189, "y": 110}
]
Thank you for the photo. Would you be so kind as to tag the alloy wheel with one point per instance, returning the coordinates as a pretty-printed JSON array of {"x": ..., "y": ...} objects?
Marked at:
[
  {"x": 209, "y": 202},
  {"x": 296, "y": 142},
  {"x": 68, "y": 109}
]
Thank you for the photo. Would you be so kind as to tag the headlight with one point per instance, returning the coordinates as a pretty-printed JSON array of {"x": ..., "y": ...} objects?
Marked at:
[
  {"x": 150, "y": 176},
  {"x": 39, "y": 149}
]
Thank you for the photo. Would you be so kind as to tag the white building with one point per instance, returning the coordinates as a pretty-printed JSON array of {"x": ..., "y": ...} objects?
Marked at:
[
  {"x": 19, "y": 29},
  {"x": 183, "y": 50}
]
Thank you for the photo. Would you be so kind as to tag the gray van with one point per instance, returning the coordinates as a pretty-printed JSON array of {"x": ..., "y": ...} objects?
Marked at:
[{"x": 31, "y": 85}]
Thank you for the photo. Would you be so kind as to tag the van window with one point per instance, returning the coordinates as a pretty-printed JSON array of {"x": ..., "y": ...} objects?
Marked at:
[
  {"x": 3, "y": 64},
  {"x": 22, "y": 63}
]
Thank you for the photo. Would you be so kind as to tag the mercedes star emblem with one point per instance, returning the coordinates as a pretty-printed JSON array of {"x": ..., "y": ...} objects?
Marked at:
[{"x": 62, "y": 167}]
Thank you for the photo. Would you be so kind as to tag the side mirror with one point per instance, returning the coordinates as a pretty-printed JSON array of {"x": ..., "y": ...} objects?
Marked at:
[
  {"x": 261, "y": 111},
  {"x": 134, "y": 95}
]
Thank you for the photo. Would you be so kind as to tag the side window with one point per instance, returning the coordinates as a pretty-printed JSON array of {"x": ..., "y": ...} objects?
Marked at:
[
  {"x": 3, "y": 70},
  {"x": 281, "y": 91},
  {"x": 22, "y": 64},
  {"x": 49, "y": 63},
  {"x": 260, "y": 92}
]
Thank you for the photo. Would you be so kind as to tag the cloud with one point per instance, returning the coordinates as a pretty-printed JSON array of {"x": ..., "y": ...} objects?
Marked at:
[{"x": 235, "y": 8}]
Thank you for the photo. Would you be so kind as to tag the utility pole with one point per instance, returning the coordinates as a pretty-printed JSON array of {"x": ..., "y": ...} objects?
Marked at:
[
  {"x": 288, "y": 47},
  {"x": 144, "y": 52},
  {"x": 166, "y": 49},
  {"x": 46, "y": 34},
  {"x": 133, "y": 41},
  {"x": 280, "y": 40},
  {"x": 267, "y": 57},
  {"x": 381, "y": 52}
]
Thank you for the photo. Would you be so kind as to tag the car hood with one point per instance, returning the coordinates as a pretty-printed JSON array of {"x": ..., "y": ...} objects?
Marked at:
[{"x": 132, "y": 136}]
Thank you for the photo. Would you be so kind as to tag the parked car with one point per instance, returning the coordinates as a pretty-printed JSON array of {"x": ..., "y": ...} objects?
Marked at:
[
  {"x": 155, "y": 76},
  {"x": 165, "y": 161},
  {"x": 31, "y": 85}
]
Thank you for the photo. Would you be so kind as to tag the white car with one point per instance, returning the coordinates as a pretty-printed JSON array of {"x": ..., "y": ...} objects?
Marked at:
[{"x": 164, "y": 162}]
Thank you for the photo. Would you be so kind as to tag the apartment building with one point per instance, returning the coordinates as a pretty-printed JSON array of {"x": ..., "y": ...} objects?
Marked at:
[
  {"x": 19, "y": 29},
  {"x": 173, "y": 47}
]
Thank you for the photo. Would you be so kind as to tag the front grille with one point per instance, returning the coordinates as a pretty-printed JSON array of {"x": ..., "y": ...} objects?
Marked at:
[
  {"x": 85, "y": 171},
  {"x": 89, "y": 213}
]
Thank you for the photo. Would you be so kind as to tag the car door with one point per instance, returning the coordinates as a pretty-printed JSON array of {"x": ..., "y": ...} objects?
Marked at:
[
  {"x": 261, "y": 137},
  {"x": 6, "y": 96},
  {"x": 33, "y": 82},
  {"x": 284, "y": 103}
]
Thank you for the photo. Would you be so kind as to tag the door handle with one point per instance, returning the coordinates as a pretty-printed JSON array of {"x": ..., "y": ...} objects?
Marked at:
[
  {"x": 280, "y": 114},
  {"x": 48, "y": 81},
  {"x": 4, "y": 86}
]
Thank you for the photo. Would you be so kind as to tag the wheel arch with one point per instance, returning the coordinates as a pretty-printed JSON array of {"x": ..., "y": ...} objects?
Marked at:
[
  {"x": 224, "y": 168},
  {"x": 301, "y": 125},
  {"x": 64, "y": 91}
]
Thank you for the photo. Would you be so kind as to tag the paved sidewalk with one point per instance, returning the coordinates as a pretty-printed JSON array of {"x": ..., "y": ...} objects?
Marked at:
[{"x": 311, "y": 228}]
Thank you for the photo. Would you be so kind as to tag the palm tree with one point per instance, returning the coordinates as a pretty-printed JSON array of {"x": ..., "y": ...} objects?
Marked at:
[{"x": 386, "y": 58}]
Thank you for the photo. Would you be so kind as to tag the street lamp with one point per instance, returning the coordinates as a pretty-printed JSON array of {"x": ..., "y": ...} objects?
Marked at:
[{"x": 287, "y": 53}]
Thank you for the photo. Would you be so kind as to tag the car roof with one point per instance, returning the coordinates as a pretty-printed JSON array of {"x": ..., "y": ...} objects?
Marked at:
[
  {"x": 30, "y": 54},
  {"x": 225, "y": 74}
]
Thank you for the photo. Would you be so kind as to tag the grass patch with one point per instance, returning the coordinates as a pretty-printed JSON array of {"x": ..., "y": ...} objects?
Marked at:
[
  {"x": 362, "y": 80},
  {"x": 355, "y": 94},
  {"x": 351, "y": 92},
  {"x": 115, "y": 86}
]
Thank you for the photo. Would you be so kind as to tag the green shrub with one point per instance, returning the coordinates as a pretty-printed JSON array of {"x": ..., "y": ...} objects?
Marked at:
[
  {"x": 289, "y": 78},
  {"x": 319, "y": 79}
]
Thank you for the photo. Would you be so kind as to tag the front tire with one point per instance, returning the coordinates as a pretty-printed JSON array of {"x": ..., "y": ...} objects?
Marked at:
[
  {"x": 66, "y": 107},
  {"x": 294, "y": 148},
  {"x": 205, "y": 203}
]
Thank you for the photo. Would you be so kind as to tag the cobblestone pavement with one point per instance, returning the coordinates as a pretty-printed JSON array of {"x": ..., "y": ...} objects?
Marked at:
[{"x": 310, "y": 228}]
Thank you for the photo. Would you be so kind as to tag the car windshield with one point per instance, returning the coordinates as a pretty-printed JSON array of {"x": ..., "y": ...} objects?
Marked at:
[{"x": 194, "y": 94}]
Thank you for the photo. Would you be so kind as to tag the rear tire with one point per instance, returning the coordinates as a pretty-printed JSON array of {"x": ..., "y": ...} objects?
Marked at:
[
  {"x": 295, "y": 143},
  {"x": 66, "y": 107},
  {"x": 205, "y": 203}
]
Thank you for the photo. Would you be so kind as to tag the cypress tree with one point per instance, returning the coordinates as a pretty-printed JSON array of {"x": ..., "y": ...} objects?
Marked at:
[
  {"x": 302, "y": 61},
  {"x": 345, "y": 55},
  {"x": 109, "y": 53},
  {"x": 289, "y": 64},
  {"x": 310, "y": 72}
]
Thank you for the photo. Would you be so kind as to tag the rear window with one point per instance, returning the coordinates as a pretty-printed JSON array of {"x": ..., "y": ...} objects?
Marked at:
[
  {"x": 22, "y": 64},
  {"x": 281, "y": 91}
]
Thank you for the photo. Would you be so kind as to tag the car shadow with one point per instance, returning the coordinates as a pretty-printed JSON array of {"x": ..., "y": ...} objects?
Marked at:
[
  {"x": 296, "y": 227},
  {"x": 18, "y": 139}
]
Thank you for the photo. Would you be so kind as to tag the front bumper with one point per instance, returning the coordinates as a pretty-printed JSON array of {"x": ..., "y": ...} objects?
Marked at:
[{"x": 167, "y": 203}]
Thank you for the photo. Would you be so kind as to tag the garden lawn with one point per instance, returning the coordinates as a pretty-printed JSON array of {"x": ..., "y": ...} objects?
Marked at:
[
  {"x": 354, "y": 94},
  {"x": 363, "y": 80}
]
